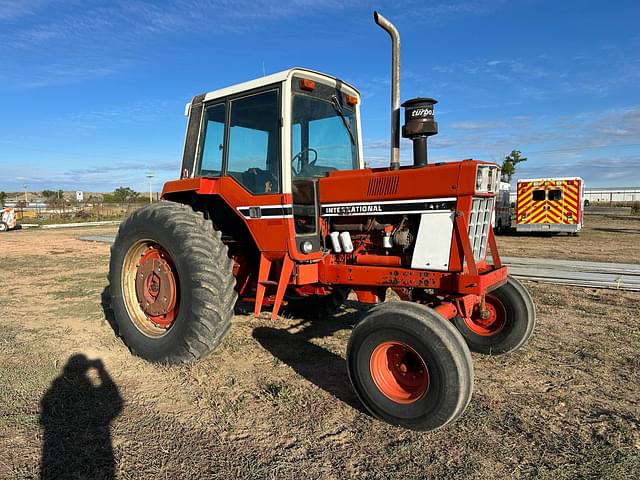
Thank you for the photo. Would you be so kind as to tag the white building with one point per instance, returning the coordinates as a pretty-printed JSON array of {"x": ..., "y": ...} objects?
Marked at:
[{"x": 611, "y": 195}]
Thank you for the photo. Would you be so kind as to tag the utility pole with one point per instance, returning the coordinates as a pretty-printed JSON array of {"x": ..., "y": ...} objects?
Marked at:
[
  {"x": 26, "y": 200},
  {"x": 150, "y": 178}
]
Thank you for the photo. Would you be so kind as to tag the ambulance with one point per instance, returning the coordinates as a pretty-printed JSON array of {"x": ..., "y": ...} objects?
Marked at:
[{"x": 553, "y": 205}]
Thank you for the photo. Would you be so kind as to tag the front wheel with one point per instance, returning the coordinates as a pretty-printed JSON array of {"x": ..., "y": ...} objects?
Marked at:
[
  {"x": 409, "y": 366},
  {"x": 171, "y": 284},
  {"x": 3, "y": 227},
  {"x": 507, "y": 325}
]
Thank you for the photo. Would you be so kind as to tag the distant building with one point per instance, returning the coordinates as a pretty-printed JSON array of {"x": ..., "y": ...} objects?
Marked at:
[
  {"x": 622, "y": 194},
  {"x": 80, "y": 196}
]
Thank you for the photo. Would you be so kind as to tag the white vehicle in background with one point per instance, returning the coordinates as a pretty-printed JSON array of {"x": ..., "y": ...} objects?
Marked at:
[
  {"x": 501, "y": 220},
  {"x": 8, "y": 219}
]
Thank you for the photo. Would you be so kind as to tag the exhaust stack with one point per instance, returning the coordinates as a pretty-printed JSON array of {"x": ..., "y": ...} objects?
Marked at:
[{"x": 395, "y": 87}]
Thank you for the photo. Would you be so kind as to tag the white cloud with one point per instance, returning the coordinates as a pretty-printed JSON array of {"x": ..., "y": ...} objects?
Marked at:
[
  {"x": 477, "y": 125},
  {"x": 92, "y": 40},
  {"x": 106, "y": 177},
  {"x": 14, "y": 9}
]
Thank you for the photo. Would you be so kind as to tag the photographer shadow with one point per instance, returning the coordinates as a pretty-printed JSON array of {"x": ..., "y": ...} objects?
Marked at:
[{"x": 75, "y": 415}]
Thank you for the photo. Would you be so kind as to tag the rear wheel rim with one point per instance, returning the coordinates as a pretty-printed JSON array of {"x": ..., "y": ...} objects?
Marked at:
[
  {"x": 495, "y": 321},
  {"x": 150, "y": 288},
  {"x": 399, "y": 372}
]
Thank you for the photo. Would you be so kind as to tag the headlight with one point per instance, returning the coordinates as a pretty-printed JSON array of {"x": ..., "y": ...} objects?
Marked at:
[
  {"x": 307, "y": 247},
  {"x": 487, "y": 178}
]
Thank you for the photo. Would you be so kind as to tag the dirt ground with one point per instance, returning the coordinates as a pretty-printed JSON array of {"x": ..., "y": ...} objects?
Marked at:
[
  {"x": 274, "y": 400},
  {"x": 603, "y": 239}
]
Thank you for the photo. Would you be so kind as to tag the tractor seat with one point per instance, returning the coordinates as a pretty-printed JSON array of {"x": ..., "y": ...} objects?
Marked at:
[{"x": 260, "y": 181}]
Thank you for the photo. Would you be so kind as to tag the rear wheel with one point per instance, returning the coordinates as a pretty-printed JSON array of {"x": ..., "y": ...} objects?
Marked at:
[
  {"x": 508, "y": 324},
  {"x": 409, "y": 366},
  {"x": 172, "y": 290}
]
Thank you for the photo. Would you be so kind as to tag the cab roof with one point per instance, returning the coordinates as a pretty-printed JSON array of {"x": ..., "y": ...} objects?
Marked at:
[{"x": 275, "y": 78}]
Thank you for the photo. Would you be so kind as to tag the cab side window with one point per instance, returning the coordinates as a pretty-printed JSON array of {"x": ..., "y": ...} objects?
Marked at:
[
  {"x": 212, "y": 145},
  {"x": 254, "y": 142}
]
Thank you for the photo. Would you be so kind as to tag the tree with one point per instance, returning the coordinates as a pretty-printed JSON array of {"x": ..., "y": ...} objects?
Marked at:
[
  {"x": 121, "y": 195},
  {"x": 509, "y": 164},
  {"x": 53, "y": 198},
  {"x": 3, "y": 198}
]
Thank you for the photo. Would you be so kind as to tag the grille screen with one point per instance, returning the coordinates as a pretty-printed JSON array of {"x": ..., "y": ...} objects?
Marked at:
[
  {"x": 383, "y": 186},
  {"x": 479, "y": 225}
]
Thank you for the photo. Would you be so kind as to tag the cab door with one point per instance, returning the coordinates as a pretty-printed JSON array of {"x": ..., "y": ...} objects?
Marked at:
[
  {"x": 304, "y": 190},
  {"x": 240, "y": 148}
]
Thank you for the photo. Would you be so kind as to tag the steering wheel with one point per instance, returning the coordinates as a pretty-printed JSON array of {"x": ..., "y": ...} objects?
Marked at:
[{"x": 298, "y": 157}]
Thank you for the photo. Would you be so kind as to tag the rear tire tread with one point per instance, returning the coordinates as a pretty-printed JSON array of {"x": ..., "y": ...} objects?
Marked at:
[{"x": 212, "y": 292}]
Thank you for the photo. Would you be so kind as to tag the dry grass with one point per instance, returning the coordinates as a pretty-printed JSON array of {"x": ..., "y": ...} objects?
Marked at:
[{"x": 275, "y": 402}]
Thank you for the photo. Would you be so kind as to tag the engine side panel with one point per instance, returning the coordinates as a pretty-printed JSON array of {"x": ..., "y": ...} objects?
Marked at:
[{"x": 433, "y": 243}]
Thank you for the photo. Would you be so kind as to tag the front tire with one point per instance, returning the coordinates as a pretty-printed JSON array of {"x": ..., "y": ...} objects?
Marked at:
[
  {"x": 171, "y": 284},
  {"x": 409, "y": 366},
  {"x": 510, "y": 323},
  {"x": 3, "y": 227}
]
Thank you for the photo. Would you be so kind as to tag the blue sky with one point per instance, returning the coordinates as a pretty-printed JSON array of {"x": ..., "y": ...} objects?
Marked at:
[{"x": 92, "y": 92}]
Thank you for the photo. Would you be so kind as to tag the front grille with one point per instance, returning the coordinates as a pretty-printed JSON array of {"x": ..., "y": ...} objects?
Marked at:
[{"x": 479, "y": 225}]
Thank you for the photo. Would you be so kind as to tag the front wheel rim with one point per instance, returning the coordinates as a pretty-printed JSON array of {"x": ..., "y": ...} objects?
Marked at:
[
  {"x": 399, "y": 372},
  {"x": 495, "y": 321},
  {"x": 150, "y": 288}
]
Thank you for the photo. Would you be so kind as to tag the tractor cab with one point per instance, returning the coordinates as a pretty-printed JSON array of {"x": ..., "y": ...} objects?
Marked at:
[{"x": 273, "y": 138}]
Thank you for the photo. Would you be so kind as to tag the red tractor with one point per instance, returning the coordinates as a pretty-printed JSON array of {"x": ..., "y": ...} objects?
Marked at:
[{"x": 274, "y": 206}]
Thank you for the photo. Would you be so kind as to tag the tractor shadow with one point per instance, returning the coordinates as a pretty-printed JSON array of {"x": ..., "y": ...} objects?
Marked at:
[
  {"x": 325, "y": 369},
  {"x": 109, "y": 316},
  {"x": 293, "y": 346}
]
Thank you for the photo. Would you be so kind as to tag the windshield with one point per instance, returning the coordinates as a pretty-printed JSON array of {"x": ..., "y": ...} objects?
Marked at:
[{"x": 323, "y": 136}]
